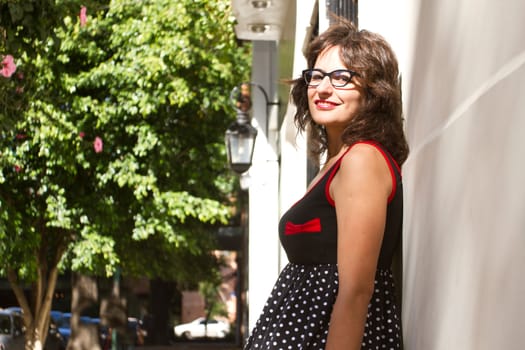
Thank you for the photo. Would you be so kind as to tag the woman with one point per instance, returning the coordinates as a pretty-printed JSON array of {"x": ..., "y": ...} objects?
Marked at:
[{"x": 337, "y": 292}]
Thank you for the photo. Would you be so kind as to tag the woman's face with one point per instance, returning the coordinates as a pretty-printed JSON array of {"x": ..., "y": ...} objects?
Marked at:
[{"x": 329, "y": 106}]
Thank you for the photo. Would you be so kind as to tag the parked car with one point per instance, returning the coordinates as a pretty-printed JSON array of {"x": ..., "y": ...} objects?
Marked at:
[
  {"x": 63, "y": 322},
  {"x": 14, "y": 309},
  {"x": 56, "y": 316},
  {"x": 201, "y": 328},
  {"x": 13, "y": 338},
  {"x": 54, "y": 340},
  {"x": 11, "y": 331},
  {"x": 63, "y": 326}
]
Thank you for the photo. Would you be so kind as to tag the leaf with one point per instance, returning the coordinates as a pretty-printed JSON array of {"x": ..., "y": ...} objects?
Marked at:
[{"x": 151, "y": 79}]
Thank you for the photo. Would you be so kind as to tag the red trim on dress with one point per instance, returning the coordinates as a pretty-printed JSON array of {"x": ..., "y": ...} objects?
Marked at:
[
  {"x": 387, "y": 158},
  {"x": 330, "y": 178}
]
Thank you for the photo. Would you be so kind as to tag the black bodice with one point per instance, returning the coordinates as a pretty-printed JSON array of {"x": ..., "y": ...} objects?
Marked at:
[{"x": 308, "y": 230}]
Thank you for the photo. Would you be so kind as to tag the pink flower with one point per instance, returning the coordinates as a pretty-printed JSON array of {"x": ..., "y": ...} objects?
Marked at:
[
  {"x": 18, "y": 168},
  {"x": 83, "y": 16},
  {"x": 81, "y": 134},
  {"x": 98, "y": 145},
  {"x": 8, "y": 66}
]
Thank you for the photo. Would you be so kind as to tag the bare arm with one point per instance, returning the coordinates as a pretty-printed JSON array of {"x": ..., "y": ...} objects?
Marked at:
[{"x": 360, "y": 191}]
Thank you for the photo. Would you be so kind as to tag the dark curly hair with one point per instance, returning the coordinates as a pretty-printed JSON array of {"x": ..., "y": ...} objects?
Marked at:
[{"x": 380, "y": 116}]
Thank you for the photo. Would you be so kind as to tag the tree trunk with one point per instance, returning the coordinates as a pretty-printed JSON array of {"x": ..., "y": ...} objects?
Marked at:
[
  {"x": 33, "y": 340},
  {"x": 36, "y": 315},
  {"x": 84, "y": 294}
]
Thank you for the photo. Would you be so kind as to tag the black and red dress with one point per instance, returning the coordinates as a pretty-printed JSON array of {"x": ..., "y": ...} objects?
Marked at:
[{"x": 297, "y": 313}]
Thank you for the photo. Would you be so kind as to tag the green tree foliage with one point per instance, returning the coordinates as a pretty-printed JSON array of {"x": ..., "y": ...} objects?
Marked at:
[
  {"x": 115, "y": 155},
  {"x": 21, "y": 23}
]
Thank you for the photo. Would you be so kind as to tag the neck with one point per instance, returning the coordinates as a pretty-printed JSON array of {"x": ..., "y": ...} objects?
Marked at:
[
  {"x": 332, "y": 154},
  {"x": 333, "y": 149},
  {"x": 334, "y": 144}
]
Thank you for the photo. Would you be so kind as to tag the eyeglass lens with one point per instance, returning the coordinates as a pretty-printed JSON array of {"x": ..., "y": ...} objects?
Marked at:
[{"x": 338, "y": 78}]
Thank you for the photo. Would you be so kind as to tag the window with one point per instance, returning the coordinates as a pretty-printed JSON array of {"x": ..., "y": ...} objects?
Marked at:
[
  {"x": 343, "y": 8},
  {"x": 5, "y": 324}
]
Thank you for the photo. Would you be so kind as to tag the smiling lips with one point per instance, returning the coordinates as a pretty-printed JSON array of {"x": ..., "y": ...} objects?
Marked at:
[{"x": 325, "y": 104}]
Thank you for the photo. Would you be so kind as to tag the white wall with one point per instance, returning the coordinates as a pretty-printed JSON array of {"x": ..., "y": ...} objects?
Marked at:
[
  {"x": 397, "y": 22},
  {"x": 293, "y": 175},
  {"x": 464, "y": 236},
  {"x": 465, "y": 230},
  {"x": 263, "y": 242},
  {"x": 268, "y": 199}
]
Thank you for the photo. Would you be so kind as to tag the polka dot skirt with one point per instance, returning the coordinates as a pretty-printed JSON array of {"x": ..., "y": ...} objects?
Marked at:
[{"x": 297, "y": 313}]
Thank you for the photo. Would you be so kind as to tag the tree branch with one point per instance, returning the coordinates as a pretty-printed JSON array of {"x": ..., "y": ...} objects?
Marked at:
[{"x": 12, "y": 277}]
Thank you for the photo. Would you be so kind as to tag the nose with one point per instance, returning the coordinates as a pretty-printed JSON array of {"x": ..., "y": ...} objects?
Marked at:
[{"x": 325, "y": 85}]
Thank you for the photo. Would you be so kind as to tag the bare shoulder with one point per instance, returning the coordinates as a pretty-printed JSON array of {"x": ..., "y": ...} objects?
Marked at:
[
  {"x": 364, "y": 157},
  {"x": 364, "y": 168}
]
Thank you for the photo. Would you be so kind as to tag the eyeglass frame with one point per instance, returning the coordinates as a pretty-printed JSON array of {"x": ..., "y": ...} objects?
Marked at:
[{"x": 329, "y": 75}]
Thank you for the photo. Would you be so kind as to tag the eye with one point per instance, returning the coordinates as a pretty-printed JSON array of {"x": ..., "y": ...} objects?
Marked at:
[
  {"x": 316, "y": 76},
  {"x": 341, "y": 77}
]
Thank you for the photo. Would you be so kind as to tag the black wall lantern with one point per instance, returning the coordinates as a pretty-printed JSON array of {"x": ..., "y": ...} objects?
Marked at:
[{"x": 240, "y": 136}]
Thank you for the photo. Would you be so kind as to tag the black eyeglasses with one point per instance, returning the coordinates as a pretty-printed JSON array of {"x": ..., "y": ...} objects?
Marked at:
[{"x": 338, "y": 77}]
